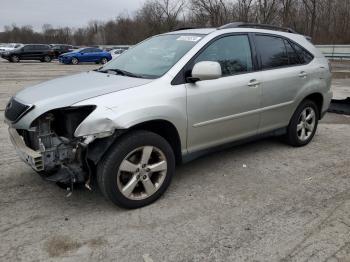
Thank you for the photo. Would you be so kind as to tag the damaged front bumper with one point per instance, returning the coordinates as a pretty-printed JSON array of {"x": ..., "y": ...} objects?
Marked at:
[{"x": 33, "y": 158}]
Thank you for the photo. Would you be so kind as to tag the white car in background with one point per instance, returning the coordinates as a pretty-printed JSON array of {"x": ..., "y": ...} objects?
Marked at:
[
  {"x": 9, "y": 47},
  {"x": 116, "y": 52}
]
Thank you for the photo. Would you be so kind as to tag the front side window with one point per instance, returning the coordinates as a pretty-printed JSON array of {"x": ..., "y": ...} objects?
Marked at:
[
  {"x": 155, "y": 56},
  {"x": 272, "y": 51},
  {"x": 86, "y": 50},
  {"x": 231, "y": 52}
]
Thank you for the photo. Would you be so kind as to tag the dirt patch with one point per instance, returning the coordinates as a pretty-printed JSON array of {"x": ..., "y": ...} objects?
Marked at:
[{"x": 62, "y": 245}]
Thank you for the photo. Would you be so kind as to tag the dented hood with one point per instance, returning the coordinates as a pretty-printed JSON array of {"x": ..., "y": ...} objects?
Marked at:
[{"x": 66, "y": 91}]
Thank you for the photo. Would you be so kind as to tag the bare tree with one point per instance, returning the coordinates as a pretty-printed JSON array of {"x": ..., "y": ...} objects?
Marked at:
[
  {"x": 327, "y": 21},
  {"x": 214, "y": 12},
  {"x": 311, "y": 9},
  {"x": 266, "y": 11}
]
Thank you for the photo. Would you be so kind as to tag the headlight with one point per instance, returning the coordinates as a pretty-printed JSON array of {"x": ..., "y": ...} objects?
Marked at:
[{"x": 66, "y": 120}]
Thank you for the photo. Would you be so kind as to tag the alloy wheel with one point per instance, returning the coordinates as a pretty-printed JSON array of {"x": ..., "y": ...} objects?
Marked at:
[
  {"x": 142, "y": 172},
  {"x": 306, "y": 124},
  {"x": 15, "y": 59}
]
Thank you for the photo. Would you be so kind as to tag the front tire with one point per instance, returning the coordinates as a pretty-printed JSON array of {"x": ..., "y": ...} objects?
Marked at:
[
  {"x": 75, "y": 61},
  {"x": 15, "y": 59},
  {"x": 303, "y": 124},
  {"x": 137, "y": 170}
]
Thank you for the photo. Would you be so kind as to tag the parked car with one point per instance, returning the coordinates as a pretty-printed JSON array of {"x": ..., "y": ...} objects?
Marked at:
[
  {"x": 90, "y": 54},
  {"x": 166, "y": 101},
  {"x": 116, "y": 52},
  {"x": 60, "y": 49},
  {"x": 39, "y": 52},
  {"x": 9, "y": 47}
]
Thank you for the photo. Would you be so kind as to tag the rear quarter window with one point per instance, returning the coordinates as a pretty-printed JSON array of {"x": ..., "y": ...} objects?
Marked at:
[{"x": 304, "y": 56}]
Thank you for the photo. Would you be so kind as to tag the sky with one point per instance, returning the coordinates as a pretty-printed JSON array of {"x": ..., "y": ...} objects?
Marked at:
[{"x": 72, "y": 13}]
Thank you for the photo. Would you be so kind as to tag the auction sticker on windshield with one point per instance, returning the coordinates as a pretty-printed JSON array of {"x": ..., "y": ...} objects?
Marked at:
[{"x": 190, "y": 38}]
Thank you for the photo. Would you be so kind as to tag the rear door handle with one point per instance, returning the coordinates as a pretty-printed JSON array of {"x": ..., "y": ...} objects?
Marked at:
[
  {"x": 253, "y": 83},
  {"x": 302, "y": 74}
]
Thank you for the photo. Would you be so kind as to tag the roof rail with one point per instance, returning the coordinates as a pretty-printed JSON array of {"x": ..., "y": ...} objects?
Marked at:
[
  {"x": 254, "y": 25},
  {"x": 183, "y": 28}
]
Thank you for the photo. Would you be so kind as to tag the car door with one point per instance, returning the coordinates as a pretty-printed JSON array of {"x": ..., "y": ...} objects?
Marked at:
[
  {"x": 28, "y": 52},
  {"x": 85, "y": 55},
  {"x": 283, "y": 76},
  {"x": 224, "y": 109},
  {"x": 96, "y": 55},
  {"x": 41, "y": 51}
]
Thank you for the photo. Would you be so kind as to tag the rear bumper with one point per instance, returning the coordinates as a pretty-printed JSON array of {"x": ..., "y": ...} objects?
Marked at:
[{"x": 33, "y": 158}]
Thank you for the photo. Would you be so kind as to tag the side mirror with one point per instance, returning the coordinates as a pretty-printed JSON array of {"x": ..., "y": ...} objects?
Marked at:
[{"x": 205, "y": 70}]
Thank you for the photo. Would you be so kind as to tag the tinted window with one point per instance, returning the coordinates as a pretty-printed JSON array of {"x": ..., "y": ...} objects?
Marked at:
[
  {"x": 272, "y": 51},
  {"x": 232, "y": 52},
  {"x": 304, "y": 56},
  {"x": 41, "y": 47},
  {"x": 96, "y": 50},
  {"x": 292, "y": 55},
  {"x": 28, "y": 48},
  {"x": 87, "y": 50}
]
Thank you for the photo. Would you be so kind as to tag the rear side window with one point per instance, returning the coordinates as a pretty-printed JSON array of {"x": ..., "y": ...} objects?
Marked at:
[
  {"x": 272, "y": 51},
  {"x": 304, "y": 56},
  {"x": 231, "y": 52},
  {"x": 42, "y": 47}
]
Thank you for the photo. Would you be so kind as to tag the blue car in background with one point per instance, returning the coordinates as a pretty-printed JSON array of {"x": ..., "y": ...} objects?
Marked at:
[{"x": 89, "y": 54}]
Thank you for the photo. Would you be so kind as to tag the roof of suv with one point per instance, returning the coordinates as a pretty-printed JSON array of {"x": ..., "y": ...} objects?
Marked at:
[{"x": 255, "y": 28}]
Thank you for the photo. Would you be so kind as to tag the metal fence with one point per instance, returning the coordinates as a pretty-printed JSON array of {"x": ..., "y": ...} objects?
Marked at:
[{"x": 335, "y": 51}]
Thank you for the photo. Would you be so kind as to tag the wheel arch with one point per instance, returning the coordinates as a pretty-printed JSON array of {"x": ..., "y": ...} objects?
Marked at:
[
  {"x": 317, "y": 98},
  {"x": 164, "y": 128}
]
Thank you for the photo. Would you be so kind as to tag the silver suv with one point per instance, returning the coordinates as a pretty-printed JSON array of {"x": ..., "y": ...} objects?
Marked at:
[{"x": 166, "y": 101}]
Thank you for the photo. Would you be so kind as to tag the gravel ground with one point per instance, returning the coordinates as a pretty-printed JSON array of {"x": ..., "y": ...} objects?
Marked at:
[{"x": 263, "y": 201}]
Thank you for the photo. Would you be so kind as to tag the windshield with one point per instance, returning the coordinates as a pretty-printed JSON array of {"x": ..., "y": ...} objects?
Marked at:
[{"x": 153, "y": 57}]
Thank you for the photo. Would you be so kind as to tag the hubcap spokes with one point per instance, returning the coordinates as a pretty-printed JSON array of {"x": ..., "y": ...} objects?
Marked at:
[
  {"x": 306, "y": 124},
  {"x": 142, "y": 172}
]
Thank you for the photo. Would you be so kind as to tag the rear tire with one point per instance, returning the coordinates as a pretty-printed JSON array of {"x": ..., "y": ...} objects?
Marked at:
[
  {"x": 137, "y": 170},
  {"x": 104, "y": 60},
  {"x": 303, "y": 125}
]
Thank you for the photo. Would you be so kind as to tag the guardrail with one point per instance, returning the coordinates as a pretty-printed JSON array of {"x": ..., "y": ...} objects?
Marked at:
[{"x": 335, "y": 51}]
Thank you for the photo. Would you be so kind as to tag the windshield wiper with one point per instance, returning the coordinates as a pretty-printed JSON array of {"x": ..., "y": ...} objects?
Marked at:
[{"x": 120, "y": 72}]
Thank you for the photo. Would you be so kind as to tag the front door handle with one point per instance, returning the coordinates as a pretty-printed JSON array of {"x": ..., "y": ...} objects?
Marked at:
[
  {"x": 302, "y": 74},
  {"x": 253, "y": 83}
]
